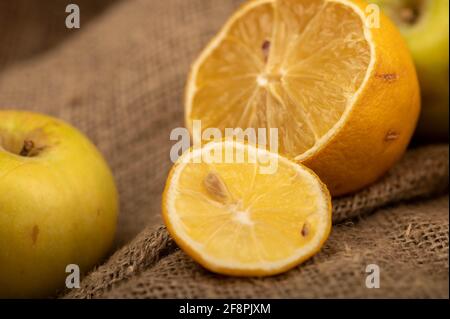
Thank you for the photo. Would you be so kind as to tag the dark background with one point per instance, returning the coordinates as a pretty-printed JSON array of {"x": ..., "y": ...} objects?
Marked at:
[{"x": 31, "y": 27}]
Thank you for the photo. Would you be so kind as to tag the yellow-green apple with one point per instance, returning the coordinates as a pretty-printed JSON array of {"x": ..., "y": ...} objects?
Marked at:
[
  {"x": 424, "y": 24},
  {"x": 58, "y": 204}
]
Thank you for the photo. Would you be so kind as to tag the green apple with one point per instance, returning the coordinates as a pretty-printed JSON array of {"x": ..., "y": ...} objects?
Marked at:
[
  {"x": 58, "y": 204},
  {"x": 425, "y": 26}
]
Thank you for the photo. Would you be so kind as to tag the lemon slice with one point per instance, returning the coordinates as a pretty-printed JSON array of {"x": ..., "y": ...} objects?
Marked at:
[
  {"x": 341, "y": 90},
  {"x": 234, "y": 219}
]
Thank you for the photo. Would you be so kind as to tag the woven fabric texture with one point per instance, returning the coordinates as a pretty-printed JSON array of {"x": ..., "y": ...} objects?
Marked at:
[{"x": 409, "y": 243}]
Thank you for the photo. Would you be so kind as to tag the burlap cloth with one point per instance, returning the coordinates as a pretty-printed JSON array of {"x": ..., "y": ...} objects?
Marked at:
[{"x": 120, "y": 79}]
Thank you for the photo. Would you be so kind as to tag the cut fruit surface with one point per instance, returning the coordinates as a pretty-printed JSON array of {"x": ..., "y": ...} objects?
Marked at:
[
  {"x": 315, "y": 69},
  {"x": 235, "y": 220},
  {"x": 295, "y": 65}
]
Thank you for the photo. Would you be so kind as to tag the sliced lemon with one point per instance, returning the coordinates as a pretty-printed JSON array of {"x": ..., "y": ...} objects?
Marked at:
[
  {"x": 234, "y": 219},
  {"x": 335, "y": 79}
]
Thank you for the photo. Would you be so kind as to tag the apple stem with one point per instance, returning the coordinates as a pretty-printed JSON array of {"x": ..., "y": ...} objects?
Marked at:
[
  {"x": 28, "y": 146},
  {"x": 408, "y": 15}
]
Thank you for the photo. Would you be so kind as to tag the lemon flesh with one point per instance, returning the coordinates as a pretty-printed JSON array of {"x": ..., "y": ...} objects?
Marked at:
[
  {"x": 286, "y": 64},
  {"x": 235, "y": 220}
]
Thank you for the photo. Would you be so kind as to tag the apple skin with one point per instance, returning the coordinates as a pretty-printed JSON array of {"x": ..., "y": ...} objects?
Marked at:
[
  {"x": 58, "y": 205},
  {"x": 429, "y": 44},
  {"x": 428, "y": 40}
]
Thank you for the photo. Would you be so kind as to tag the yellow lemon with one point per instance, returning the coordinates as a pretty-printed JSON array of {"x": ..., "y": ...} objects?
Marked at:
[{"x": 335, "y": 78}]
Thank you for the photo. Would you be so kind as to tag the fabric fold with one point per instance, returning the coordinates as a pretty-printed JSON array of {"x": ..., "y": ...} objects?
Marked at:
[{"x": 152, "y": 266}]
